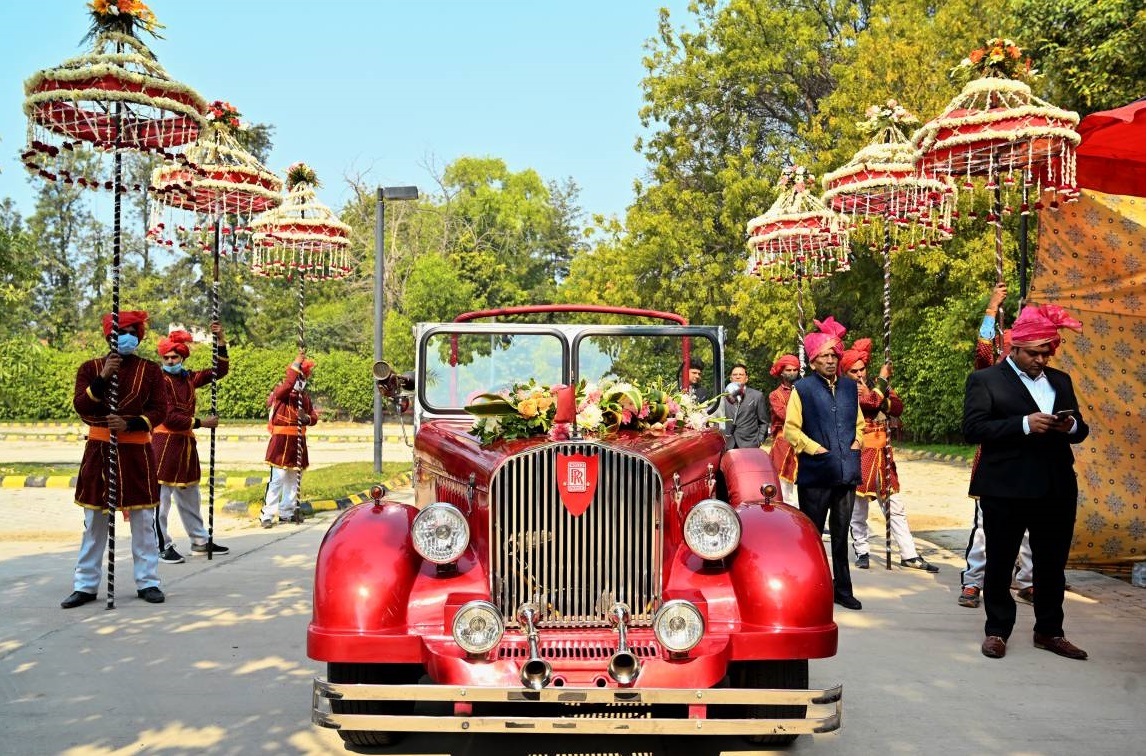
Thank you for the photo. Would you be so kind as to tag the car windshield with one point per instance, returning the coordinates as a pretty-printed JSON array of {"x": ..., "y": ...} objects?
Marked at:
[{"x": 458, "y": 366}]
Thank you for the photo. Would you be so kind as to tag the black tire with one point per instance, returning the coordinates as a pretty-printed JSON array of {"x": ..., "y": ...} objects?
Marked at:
[
  {"x": 791, "y": 674},
  {"x": 372, "y": 674}
]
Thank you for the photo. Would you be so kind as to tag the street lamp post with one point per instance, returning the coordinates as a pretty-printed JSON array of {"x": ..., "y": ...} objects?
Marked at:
[{"x": 384, "y": 193}]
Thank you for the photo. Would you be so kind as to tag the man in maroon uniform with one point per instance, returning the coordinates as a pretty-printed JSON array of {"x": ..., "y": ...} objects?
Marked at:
[
  {"x": 286, "y": 452},
  {"x": 141, "y": 406},
  {"x": 878, "y": 477},
  {"x": 787, "y": 369},
  {"x": 175, "y": 448}
]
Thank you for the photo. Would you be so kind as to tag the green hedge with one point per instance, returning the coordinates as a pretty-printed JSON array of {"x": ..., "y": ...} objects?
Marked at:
[{"x": 37, "y": 383}]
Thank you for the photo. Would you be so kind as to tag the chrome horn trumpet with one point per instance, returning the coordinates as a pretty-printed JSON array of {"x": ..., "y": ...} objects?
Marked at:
[
  {"x": 623, "y": 665},
  {"x": 536, "y": 673}
]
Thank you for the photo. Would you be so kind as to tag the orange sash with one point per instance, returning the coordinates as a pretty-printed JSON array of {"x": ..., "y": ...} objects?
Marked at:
[
  {"x": 164, "y": 429},
  {"x": 100, "y": 433},
  {"x": 286, "y": 430},
  {"x": 875, "y": 438}
]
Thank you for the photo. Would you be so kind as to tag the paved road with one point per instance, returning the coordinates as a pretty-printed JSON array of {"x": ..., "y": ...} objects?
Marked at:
[{"x": 221, "y": 667}]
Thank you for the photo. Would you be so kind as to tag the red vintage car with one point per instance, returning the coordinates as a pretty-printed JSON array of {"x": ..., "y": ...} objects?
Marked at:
[{"x": 632, "y": 580}]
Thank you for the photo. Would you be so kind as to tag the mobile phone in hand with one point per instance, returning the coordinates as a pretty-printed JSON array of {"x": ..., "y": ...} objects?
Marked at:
[{"x": 1064, "y": 414}]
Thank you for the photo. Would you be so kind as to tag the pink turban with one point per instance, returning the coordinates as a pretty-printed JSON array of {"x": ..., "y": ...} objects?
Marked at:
[
  {"x": 1040, "y": 325},
  {"x": 860, "y": 352},
  {"x": 788, "y": 360},
  {"x": 829, "y": 337}
]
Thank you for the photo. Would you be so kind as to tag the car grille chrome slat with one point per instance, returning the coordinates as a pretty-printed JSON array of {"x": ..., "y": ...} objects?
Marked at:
[{"x": 575, "y": 568}]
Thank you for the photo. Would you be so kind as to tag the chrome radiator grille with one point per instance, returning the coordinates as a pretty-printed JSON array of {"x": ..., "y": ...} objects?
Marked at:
[{"x": 575, "y": 568}]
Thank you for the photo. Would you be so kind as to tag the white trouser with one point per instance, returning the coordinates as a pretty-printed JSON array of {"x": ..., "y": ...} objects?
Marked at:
[
  {"x": 977, "y": 556},
  {"x": 899, "y": 529},
  {"x": 282, "y": 494},
  {"x": 788, "y": 492},
  {"x": 187, "y": 501},
  {"x": 144, "y": 550}
]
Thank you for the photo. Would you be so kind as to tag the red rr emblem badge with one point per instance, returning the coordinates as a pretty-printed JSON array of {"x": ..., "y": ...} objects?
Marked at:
[{"x": 576, "y": 481}]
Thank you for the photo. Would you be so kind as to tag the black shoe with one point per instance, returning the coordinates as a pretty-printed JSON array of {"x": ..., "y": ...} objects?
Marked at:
[
  {"x": 918, "y": 563},
  {"x": 267, "y": 523},
  {"x": 294, "y": 519},
  {"x": 78, "y": 598},
  {"x": 862, "y": 562},
  {"x": 848, "y": 602},
  {"x": 214, "y": 548},
  {"x": 151, "y": 595},
  {"x": 170, "y": 556}
]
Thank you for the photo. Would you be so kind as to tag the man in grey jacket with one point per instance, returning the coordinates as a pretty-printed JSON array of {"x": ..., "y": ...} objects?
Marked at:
[{"x": 746, "y": 410}]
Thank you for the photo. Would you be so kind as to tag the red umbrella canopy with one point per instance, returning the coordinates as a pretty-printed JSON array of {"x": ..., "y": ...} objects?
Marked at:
[
  {"x": 798, "y": 236},
  {"x": 1112, "y": 155},
  {"x": 115, "y": 97},
  {"x": 996, "y": 127},
  {"x": 226, "y": 180},
  {"x": 883, "y": 180},
  {"x": 301, "y": 237}
]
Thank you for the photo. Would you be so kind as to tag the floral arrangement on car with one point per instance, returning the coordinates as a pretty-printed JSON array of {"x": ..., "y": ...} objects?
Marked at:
[
  {"x": 591, "y": 409},
  {"x": 999, "y": 58}
]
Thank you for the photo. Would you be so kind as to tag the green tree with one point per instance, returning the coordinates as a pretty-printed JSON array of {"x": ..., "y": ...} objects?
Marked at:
[
  {"x": 1092, "y": 53},
  {"x": 65, "y": 237},
  {"x": 17, "y": 271}
]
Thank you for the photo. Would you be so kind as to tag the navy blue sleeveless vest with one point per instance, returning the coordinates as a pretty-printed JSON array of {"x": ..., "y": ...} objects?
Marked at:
[{"x": 830, "y": 421}]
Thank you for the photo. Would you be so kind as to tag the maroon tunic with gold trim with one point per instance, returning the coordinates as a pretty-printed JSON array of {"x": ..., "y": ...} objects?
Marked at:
[
  {"x": 174, "y": 441},
  {"x": 282, "y": 451},
  {"x": 875, "y": 443},
  {"x": 143, "y": 403},
  {"x": 783, "y": 455}
]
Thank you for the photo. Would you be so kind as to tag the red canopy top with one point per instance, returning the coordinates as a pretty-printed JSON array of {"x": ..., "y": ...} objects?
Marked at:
[{"x": 1112, "y": 155}]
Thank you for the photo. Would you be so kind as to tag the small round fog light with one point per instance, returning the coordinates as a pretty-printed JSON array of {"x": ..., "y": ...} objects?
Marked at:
[
  {"x": 678, "y": 626},
  {"x": 478, "y": 627}
]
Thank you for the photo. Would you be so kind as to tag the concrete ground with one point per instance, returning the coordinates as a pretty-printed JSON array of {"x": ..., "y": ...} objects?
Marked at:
[{"x": 221, "y": 667}]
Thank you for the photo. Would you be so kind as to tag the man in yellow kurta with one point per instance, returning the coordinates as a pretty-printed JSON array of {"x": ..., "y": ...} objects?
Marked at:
[{"x": 824, "y": 425}]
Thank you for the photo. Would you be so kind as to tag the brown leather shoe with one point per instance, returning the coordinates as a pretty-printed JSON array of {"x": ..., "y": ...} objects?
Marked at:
[
  {"x": 1060, "y": 646},
  {"x": 994, "y": 647}
]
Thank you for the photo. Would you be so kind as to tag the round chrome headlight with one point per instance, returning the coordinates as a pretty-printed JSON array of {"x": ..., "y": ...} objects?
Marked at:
[
  {"x": 478, "y": 627},
  {"x": 712, "y": 529},
  {"x": 440, "y": 533},
  {"x": 678, "y": 625}
]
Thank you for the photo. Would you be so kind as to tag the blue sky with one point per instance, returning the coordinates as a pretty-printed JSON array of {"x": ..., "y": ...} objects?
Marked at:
[{"x": 387, "y": 90}]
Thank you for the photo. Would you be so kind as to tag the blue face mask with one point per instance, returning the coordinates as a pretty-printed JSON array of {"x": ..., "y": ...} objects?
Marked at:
[
  {"x": 173, "y": 369},
  {"x": 127, "y": 344}
]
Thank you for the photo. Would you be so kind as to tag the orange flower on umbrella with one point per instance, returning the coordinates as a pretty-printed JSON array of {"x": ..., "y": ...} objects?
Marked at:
[
  {"x": 123, "y": 14},
  {"x": 999, "y": 57}
]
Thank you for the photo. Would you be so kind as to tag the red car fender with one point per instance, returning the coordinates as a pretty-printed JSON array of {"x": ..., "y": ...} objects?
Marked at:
[
  {"x": 780, "y": 571},
  {"x": 777, "y": 580},
  {"x": 365, "y": 570}
]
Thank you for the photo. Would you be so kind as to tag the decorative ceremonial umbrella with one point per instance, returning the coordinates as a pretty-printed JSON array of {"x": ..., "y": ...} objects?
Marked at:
[
  {"x": 301, "y": 238},
  {"x": 996, "y": 128},
  {"x": 883, "y": 182},
  {"x": 115, "y": 98},
  {"x": 227, "y": 187},
  {"x": 797, "y": 238}
]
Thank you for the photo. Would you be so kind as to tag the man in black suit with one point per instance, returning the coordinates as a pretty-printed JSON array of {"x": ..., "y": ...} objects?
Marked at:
[
  {"x": 747, "y": 411},
  {"x": 692, "y": 383},
  {"x": 1025, "y": 416}
]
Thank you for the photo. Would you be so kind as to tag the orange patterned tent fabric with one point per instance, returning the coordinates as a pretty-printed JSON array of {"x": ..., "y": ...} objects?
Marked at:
[{"x": 1092, "y": 261}]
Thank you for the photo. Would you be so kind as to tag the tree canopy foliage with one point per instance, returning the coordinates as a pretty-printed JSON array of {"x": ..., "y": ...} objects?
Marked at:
[{"x": 734, "y": 92}]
